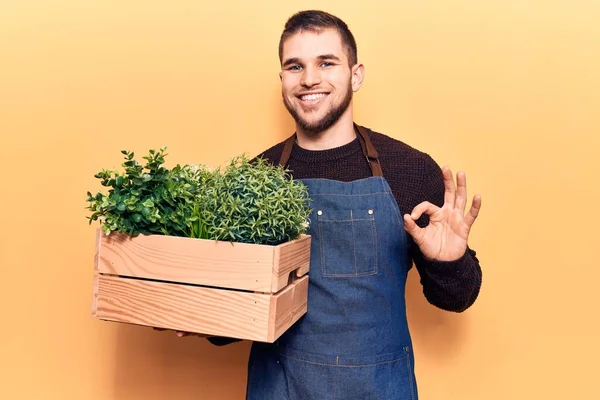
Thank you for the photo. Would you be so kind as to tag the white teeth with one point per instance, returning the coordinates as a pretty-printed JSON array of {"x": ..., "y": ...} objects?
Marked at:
[{"x": 313, "y": 97}]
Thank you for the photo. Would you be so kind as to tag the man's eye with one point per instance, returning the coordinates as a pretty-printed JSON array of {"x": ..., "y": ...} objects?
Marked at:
[
  {"x": 295, "y": 68},
  {"x": 326, "y": 64}
]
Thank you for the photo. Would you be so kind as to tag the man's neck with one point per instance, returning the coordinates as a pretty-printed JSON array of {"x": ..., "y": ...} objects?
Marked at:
[{"x": 341, "y": 133}]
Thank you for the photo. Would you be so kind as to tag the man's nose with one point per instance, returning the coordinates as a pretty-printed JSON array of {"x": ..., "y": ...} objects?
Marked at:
[{"x": 310, "y": 77}]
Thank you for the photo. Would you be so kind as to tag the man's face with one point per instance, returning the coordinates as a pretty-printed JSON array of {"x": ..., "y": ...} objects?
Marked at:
[{"x": 317, "y": 82}]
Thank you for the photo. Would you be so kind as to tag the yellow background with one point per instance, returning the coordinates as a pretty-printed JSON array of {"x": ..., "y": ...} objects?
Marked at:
[{"x": 506, "y": 90}]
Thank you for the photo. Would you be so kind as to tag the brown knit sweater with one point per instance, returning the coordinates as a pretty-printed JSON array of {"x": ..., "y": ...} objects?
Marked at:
[{"x": 414, "y": 177}]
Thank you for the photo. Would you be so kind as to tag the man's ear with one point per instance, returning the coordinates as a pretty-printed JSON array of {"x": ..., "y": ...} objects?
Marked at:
[{"x": 358, "y": 76}]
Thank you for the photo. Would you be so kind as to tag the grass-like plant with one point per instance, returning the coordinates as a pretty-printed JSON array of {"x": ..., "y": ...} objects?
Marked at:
[{"x": 248, "y": 201}]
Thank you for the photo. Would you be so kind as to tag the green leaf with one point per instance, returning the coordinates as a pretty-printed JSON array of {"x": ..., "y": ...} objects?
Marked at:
[{"x": 148, "y": 203}]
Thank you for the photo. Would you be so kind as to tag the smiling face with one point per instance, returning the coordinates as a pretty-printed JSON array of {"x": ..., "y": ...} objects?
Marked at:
[{"x": 317, "y": 82}]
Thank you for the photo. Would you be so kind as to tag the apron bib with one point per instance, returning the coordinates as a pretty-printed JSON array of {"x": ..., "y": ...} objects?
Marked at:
[{"x": 354, "y": 341}]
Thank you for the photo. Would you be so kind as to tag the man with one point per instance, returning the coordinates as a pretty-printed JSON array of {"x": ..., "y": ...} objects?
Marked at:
[{"x": 379, "y": 205}]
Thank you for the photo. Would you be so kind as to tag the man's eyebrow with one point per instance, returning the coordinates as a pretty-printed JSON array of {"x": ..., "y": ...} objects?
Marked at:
[
  {"x": 289, "y": 61},
  {"x": 296, "y": 60},
  {"x": 329, "y": 57}
]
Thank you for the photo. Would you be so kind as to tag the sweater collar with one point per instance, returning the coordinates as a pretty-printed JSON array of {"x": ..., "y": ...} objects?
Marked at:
[{"x": 333, "y": 154}]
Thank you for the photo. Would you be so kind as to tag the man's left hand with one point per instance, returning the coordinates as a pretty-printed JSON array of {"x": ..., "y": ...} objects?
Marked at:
[{"x": 445, "y": 237}]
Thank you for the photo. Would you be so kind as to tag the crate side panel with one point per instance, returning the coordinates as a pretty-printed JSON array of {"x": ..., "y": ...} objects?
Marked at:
[
  {"x": 187, "y": 260},
  {"x": 289, "y": 257},
  {"x": 181, "y": 307},
  {"x": 288, "y": 307},
  {"x": 95, "y": 285}
]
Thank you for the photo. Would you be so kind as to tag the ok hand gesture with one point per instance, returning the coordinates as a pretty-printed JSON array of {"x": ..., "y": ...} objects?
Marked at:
[{"x": 445, "y": 237}]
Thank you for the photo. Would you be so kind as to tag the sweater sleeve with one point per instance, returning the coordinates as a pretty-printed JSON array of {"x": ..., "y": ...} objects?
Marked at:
[
  {"x": 221, "y": 341},
  {"x": 449, "y": 285}
]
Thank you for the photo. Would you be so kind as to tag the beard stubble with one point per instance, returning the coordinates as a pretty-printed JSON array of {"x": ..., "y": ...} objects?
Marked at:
[{"x": 328, "y": 120}]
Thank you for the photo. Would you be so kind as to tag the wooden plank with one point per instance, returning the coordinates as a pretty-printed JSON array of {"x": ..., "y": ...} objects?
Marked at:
[
  {"x": 289, "y": 257},
  {"x": 188, "y": 260},
  {"x": 95, "y": 294},
  {"x": 187, "y": 308},
  {"x": 98, "y": 244},
  {"x": 288, "y": 307},
  {"x": 219, "y": 312}
]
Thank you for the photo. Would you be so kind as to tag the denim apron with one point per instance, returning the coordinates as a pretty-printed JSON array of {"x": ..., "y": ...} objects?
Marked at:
[{"x": 354, "y": 341}]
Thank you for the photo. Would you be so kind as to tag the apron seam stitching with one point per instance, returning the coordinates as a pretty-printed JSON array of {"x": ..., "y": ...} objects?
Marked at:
[
  {"x": 396, "y": 359},
  {"x": 353, "y": 243},
  {"x": 350, "y": 195},
  {"x": 410, "y": 376},
  {"x": 374, "y": 232}
]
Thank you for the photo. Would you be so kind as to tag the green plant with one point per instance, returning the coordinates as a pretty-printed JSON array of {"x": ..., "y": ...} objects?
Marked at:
[
  {"x": 255, "y": 203},
  {"x": 250, "y": 202}
]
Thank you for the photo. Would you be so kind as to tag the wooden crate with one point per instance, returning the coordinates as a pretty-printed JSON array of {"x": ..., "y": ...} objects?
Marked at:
[{"x": 238, "y": 290}]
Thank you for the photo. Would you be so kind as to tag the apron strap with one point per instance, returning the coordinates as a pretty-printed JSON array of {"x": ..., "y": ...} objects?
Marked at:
[
  {"x": 365, "y": 143},
  {"x": 369, "y": 151},
  {"x": 287, "y": 150}
]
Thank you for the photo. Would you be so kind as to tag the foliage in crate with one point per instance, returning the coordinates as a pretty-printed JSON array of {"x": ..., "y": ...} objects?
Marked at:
[{"x": 247, "y": 201}]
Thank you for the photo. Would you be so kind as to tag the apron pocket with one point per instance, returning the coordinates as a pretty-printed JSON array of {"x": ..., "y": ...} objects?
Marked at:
[
  {"x": 348, "y": 242},
  {"x": 322, "y": 377},
  {"x": 389, "y": 377}
]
